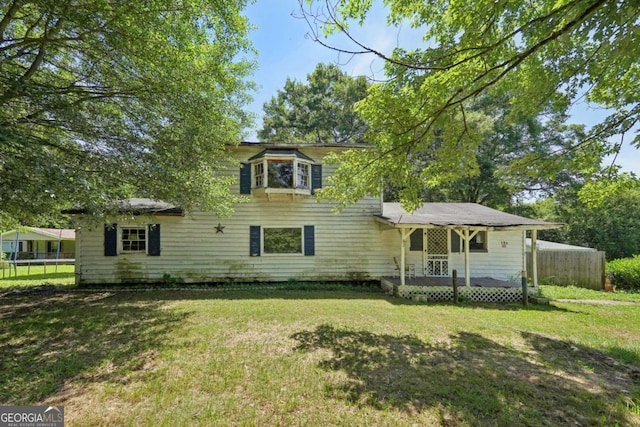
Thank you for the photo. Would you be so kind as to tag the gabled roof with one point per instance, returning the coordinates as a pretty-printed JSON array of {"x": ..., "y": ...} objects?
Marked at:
[
  {"x": 138, "y": 206},
  {"x": 453, "y": 215},
  {"x": 49, "y": 233}
]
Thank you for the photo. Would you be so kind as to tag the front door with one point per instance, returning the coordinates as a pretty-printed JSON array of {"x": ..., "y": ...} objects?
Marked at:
[{"x": 436, "y": 252}]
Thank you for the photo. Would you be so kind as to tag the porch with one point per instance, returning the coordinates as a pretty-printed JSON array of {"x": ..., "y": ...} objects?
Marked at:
[{"x": 481, "y": 289}]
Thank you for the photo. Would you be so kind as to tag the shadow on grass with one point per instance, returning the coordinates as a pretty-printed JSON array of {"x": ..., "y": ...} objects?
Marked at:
[
  {"x": 48, "y": 339},
  {"x": 338, "y": 292},
  {"x": 474, "y": 380}
]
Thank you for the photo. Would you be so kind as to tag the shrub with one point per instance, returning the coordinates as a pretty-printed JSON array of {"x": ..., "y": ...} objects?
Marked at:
[{"x": 625, "y": 272}]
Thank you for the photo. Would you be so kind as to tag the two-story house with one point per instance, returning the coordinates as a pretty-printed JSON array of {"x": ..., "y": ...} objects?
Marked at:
[{"x": 283, "y": 232}]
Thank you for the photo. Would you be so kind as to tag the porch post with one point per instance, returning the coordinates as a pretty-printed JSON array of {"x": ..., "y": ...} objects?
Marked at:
[
  {"x": 467, "y": 274},
  {"x": 403, "y": 270},
  {"x": 524, "y": 252},
  {"x": 534, "y": 257}
]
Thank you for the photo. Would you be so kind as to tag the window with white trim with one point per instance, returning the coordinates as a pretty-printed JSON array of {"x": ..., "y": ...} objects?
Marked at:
[
  {"x": 276, "y": 172},
  {"x": 302, "y": 177},
  {"x": 258, "y": 172},
  {"x": 282, "y": 240},
  {"x": 134, "y": 239},
  {"x": 279, "y": 174},
  {"x": 478, "y": 243}
]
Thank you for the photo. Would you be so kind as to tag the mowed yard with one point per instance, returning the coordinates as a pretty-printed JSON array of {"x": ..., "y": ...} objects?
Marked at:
[{"x": 307, "y": 357}]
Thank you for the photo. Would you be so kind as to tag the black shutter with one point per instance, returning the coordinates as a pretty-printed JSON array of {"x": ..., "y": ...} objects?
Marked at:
[
  {"x": 254, "y": 240},
  {"x": 455, "y": 241},
  {"x": 245, "y": 178},
  {"x": 110, "y": 240},
  {"x": 416, "y": 239},
  {"x": 309, "y": 240},
  {"x": 316, "y": 178},
  {"x": 154, "y": 240}
]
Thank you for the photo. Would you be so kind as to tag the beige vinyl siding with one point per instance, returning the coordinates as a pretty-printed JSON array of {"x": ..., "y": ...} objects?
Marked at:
[{"x": 349, "y": 245}]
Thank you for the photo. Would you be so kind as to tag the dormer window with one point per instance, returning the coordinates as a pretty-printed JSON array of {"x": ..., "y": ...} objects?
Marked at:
[{"x": 281, "y": 172}]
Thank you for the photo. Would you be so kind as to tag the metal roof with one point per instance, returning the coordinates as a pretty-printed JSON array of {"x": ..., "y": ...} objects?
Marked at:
[
  {"x": 452, "y": 215},
  {"x": 544, "y": 245}
]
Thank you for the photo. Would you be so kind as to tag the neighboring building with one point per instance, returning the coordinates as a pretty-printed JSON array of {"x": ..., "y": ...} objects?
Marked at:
[
  {"x": 39, "y": 243},
  {"x": 285, "y": 233},
  {"x": 544, "y": 245}
]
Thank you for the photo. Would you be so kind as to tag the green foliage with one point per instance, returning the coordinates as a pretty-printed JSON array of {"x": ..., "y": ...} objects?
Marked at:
[
  {"x": 320, "y": 111},
  {"x": 608, "y": 219},
  {"x": 101, "y": 99},
  {"x": 625, "y": 272},
  {"x": 516, "y": 157},
  {"x": 169, "y": 280},
  {"x": 548, "y": 53},
  {"x": 596, "y": 194}
]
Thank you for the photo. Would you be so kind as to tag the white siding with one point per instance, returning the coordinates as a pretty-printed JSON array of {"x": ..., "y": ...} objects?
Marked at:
[
  {"x": 502, "y": 262},
  {"x": 349, "y": 245}
]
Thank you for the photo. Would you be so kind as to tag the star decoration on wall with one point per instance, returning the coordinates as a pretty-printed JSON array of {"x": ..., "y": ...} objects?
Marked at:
[{"x": 219, "y": 228}]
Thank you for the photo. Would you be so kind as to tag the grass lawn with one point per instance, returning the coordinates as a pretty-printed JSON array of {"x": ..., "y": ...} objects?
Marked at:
[
  {"x": 313, "y": 357},
  {"x": 36, "y": 275}
]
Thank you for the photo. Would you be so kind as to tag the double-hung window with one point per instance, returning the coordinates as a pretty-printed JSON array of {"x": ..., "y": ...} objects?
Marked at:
[{"x": 134, "y": 239}]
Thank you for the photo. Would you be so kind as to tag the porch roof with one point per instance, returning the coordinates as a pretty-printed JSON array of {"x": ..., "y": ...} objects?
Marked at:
[
  {"x": 39, "y": 233},
  {"x": 458, "y": 215}
]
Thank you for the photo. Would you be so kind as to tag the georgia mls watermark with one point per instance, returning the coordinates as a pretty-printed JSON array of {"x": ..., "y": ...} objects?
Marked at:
[{"x": 31, "y": 416}]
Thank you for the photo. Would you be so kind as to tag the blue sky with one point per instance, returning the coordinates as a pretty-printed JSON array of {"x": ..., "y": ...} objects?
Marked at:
[{"x": 284, "y": 51}]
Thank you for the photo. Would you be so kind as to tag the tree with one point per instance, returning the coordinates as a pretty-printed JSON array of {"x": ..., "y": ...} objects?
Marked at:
[
  {"x": 102, "y": 99},
  {"x": 542, "y": 53},
  {"x": 602, "y": 214},
  {"x": 513, "y": 153},
  {"x": 320, "y": 111}
]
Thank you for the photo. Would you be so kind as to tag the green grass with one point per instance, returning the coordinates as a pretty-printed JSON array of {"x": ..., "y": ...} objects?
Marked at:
[
  {"x": 316, "y": 357},
  {"x": 572, "y": 292},
  {"x": 35, "y": 276}
]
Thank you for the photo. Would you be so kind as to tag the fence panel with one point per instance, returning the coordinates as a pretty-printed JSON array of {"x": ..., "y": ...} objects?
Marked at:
[{"x": 582, "y": 269}]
